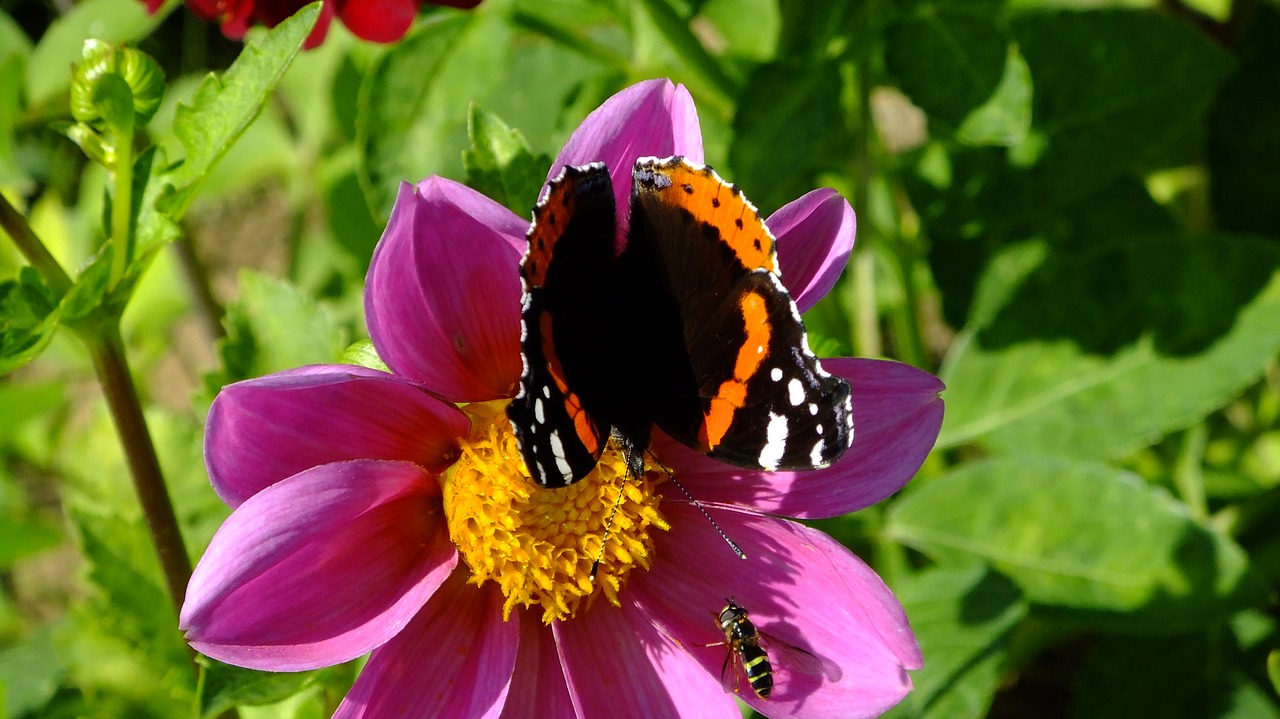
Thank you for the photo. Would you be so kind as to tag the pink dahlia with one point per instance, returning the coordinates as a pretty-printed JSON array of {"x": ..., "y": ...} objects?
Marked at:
[
  {"x": 375, "y": 20},
  {"x": 390, "y": 511}
]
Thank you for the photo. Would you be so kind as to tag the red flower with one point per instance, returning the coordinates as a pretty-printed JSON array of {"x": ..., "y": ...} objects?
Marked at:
[{"x": 375, "y": 20}]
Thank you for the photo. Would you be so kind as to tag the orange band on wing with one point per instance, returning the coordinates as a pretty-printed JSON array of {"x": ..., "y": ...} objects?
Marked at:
[
  {"x": 714, "y": 201},
  {"x": 732, "y": 393},
  {"x": 572, "y": 404}
]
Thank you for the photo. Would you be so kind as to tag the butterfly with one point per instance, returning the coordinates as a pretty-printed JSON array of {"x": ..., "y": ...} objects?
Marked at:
[{"x": 687, "y": 327}]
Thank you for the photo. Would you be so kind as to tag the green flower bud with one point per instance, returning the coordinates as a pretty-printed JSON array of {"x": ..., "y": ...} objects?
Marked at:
[{"x": 143, "y": 76}]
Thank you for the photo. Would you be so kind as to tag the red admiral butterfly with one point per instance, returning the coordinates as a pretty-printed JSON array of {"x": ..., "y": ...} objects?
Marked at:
[{"x": 688, "y": 327}]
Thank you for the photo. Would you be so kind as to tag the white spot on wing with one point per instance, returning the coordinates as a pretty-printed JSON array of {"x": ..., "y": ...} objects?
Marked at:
[
  {"x": 771, "y": 455},
  {"x": 776, "y": 374},
  {"x": 795, "y": 391},
  {"x": 558, "y": 450},
  {"x": 813, "y": 409},
  {"x": 815, "y": 457}
]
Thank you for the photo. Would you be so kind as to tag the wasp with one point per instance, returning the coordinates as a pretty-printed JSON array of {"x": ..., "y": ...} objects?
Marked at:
[{"x": 747, "y": 655}]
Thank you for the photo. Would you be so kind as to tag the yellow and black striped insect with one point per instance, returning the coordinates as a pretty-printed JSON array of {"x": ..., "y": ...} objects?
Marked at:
[
  {"x": 743, "y": 640},
  {"x": 748, "y": 657}
]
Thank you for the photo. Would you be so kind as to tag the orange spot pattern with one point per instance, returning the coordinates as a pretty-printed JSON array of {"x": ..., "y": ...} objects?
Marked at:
[
  {"x": 733, "y": 392},
  {"x": 712, "y": 200}
]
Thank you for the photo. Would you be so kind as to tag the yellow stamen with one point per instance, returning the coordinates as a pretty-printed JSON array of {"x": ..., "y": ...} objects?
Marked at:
[{"x": 539, "y": 544}]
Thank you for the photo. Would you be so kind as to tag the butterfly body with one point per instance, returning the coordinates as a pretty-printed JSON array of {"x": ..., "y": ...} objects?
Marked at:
[{"x": 688, "y": 327}]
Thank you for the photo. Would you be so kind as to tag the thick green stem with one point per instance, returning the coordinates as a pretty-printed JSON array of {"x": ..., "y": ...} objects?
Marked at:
[
  {"x": 107, "y": 352},
  {"x": 32, "y": 248}
]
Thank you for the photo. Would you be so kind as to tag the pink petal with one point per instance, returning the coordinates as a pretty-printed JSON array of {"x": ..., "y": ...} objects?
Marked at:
[
  {"x": 319, "y": 568},
  {"x": 443, "y": 293},
  {"x": 896, "y": 417},
  {"x": 538, "y": 689},
  {"x": 618, "y": 663},
  {"x": 815, "y": 236},
  {"x": 454, "y": 659},
  {"x": 801, "y": 588},
  {"x": 263, "y": 430},
  {"x": 650, "y": 118}
]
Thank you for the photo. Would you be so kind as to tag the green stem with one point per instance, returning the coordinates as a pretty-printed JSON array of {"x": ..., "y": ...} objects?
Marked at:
[
  {"x": 907, "y": 332},
  {"x": 32, "y": 248},
  {"x": 107, "y": 352},
  {"x": 122, "y": 203}
]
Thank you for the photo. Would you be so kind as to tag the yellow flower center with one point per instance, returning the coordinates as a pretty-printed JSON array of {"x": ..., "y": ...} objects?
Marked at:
[{"x": 539, "y": 544}]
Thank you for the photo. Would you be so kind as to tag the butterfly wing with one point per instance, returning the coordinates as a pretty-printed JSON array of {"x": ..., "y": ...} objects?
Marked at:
[
  {"x": 762, "y": 399},
  {"x": 564, "y": 276}
]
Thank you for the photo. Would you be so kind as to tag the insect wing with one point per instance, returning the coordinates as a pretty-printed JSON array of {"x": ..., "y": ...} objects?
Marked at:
[{"x": 797, "y": 660}]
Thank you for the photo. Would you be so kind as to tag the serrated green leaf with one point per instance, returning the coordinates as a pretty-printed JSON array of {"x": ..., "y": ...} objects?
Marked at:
[
  {"x": 500, "y": 163},
  {"x": 274, "y": 326},
  {"x": 1098, "y": 355},
  {"x": 412, "y": 116},
  {"x": 948, "y": 58},
  {"x": 962, "y": 619},
  {"x": 225, "y": 105},
  {"x": 28, "y": 318},
  {"x": 113, "y": 21},
  {"x": 1088, "y": 544},
  {"x": 225, "y": 687}
]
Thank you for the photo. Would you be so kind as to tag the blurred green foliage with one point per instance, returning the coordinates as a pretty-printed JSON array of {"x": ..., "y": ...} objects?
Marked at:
[{"x": 1065, "y": 208}]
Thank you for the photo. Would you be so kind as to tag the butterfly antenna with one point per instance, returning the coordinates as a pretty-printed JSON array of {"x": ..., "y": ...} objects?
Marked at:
[
  {"x": 736, "y": 549},
  {"x": 635, "y": 467}
]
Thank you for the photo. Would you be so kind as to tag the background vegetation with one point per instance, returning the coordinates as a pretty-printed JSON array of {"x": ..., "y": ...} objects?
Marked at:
[{"x": 1069, "y": 210}]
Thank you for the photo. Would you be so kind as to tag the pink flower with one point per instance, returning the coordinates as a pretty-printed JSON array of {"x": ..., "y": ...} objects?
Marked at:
[
  {"x": 375, "y": 20},
  {"x": 372, "y": 514}
]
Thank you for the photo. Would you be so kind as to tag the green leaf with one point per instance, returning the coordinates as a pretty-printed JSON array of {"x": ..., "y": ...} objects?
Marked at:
[
  {"x": 1273, "y": 669},
  {"x": 1243, "y": 145},
  {"x": 274, "y": 326},
  {"x": 225, "y": 105},
  {"x": 21, "y": 537},
  {"x": 1088, "y": 544},
  {"x": 113, "y": 21},
  {"x": 1112, "y": 88},
  {"x": 226, "y": 687},
  {"x": 947, "y": 57},
  {"x": 362, "y": 353},
  {"x": 30, "y": 672},
  {"x": 962, "y": 619},
  {"x": 779, "y": 146},
  {"x": 1098, "y": 355},
  {"x": 500, "y": 163},
  {"x": 28, "y": 318},
  {"x": 23, "y": 402},
  {"x": 1188, "y": 677},
  {"x": 1005, "y": 118},
  {"x": 12, "y": 172},
  {"x": 412, "y": 116}
]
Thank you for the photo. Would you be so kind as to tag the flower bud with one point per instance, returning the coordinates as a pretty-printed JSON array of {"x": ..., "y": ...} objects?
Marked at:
[{"x": 142, "y": 74}]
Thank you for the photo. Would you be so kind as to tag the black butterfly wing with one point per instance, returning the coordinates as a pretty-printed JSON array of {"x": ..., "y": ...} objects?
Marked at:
[
  {"x": 762, "y": 398},
  {"x": 564, "y": 274}
]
